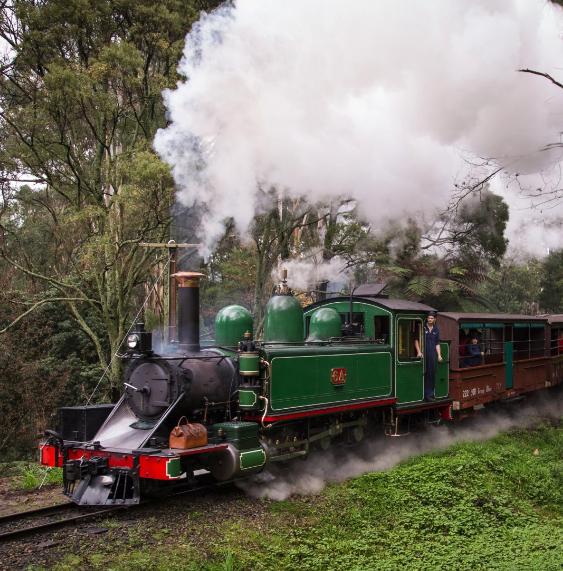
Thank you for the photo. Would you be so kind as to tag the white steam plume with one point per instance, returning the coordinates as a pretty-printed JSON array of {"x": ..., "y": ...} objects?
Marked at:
[
  {"x": 536, "y": 215},
  {"x": 370, "y": 99},
  {"x": 306, "y": 274}
]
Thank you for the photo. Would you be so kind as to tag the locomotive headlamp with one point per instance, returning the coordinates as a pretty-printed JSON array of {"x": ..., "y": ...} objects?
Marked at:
[
  {"x": 140, "y": 341},
  {"x": 133, "y": 341}
]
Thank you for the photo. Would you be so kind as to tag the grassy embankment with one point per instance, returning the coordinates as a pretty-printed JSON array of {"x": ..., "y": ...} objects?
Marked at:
[{"x": 477, "y": 505}]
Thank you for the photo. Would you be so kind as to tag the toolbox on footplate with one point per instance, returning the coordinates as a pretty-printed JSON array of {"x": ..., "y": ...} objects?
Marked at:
[{"x": 241, "y": 435}]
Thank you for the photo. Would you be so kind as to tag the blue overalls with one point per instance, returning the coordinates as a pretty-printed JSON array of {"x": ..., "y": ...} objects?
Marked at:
[{"x": 431, "y": 341}]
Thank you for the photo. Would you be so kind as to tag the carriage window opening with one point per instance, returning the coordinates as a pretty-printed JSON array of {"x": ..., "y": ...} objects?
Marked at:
[
  {"x": 529, "y": 340},
  {"x": 537, "y": 340},
  {"x": 521, "y": 341},
  {"x": 494, "y": 343},
  {"x": 381, "y": 328},
  {"x": 556, "y": 341},
  {"x": 489, "y": 339},
  {"x": 408, "y": 331}
]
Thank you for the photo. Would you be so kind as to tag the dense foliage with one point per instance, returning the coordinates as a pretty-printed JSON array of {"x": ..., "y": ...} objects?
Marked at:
[
  {"x": 47, "y": 361},
  {"x": 80, "y": 102}
]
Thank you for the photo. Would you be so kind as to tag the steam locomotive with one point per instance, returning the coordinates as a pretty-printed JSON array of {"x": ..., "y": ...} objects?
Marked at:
[{"x": 322, "y": 376}]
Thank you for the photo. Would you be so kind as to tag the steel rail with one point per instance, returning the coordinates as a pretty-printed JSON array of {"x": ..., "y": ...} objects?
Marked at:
[
  {"x": 52, "y": 510},
  {"x": 50, "y": 526},
  {"x": 48, "y": 510}
]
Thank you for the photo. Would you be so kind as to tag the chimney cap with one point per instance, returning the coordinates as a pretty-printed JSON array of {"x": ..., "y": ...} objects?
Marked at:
[{"x": 188, "y": 279}]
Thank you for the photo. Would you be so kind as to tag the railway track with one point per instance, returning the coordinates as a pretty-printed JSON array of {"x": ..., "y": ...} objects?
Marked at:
[
  {"x": 23, "y": 524},
  {"x": 14, "y": 526}
]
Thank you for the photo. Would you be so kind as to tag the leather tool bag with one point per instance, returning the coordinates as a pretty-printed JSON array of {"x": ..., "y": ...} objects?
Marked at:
[{"x": 185, "y": 436}]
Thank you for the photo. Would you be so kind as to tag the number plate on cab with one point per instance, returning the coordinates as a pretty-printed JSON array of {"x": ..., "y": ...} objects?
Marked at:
[{"x": 338, "y": 376}]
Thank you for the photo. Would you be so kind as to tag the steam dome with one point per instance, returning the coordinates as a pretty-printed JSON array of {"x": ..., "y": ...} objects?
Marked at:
[
  {"x": 231, "y": 323},
  {"x": 325, "y": 323},
  {"x": 283, "y": 321}
]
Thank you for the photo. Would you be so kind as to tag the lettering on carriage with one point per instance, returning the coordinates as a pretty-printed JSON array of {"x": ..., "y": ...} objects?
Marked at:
[
  {"x": 465, "y": 393},
  {"x": 338, "y": 376},
  {"x": 473, "y": 392},
  {"x": 488, "y": 389}
]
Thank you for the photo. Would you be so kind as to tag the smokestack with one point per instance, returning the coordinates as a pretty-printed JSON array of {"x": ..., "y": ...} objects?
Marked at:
[{"x": 188, "y": 309}]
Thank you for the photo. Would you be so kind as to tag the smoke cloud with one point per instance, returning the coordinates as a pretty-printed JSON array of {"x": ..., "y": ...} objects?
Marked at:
[{"x": 373, "y": 100}]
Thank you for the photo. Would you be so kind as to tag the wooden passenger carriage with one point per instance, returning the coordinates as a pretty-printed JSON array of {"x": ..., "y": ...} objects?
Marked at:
[{"x": 521, "y": 356}]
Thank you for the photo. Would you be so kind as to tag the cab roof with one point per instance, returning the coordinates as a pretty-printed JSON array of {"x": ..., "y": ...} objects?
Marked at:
[
  {"x": 492, "y": 317},
  {"x": 392, "y": 304}
]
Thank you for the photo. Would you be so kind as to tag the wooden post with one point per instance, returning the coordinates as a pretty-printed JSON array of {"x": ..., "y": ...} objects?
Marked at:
[{"x": 172, "y": 293}]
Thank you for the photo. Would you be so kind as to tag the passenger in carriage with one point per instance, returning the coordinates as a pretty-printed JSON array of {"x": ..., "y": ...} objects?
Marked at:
[{"x": 474, "y": 353}]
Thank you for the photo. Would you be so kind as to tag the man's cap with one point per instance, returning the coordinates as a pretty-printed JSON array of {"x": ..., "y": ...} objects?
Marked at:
[{"x": 432, "y": 314}]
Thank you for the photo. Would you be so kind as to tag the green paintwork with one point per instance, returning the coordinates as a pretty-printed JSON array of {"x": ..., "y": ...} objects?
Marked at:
[
  {"x": 442, "y": 386},
  {"x": 242, "y": 435},
  {"x": 231, "y": 323},
  {"x": 302, "y": 376},
  {"x": 173, "y": 468},
  {"x": 283, "y": 320},
  {"x": 252, "y": 458},
  {"x": 409, "y": 381},
  {"x": 325, "y": 324},
  {"x": 249, "y": 364},
  {"x": 509, "y": 369},
  {"x": 248, "y": 398}
]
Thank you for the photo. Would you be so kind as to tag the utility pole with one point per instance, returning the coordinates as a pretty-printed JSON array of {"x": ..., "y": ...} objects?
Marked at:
[{"x": 172, "y": 269}]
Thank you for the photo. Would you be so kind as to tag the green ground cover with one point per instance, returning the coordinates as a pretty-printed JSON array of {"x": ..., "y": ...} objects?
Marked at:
[
  {"x": 495, "y": 505},
  {"x": 30, "y": 475}
]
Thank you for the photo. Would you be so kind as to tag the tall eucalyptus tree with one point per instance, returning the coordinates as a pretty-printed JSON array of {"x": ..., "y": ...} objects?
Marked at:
[{"x": 80, "y": 102}]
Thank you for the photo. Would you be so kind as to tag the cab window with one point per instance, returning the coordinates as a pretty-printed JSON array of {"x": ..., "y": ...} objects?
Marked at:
[
  {"x": 408, "y": 331},
  {"x": 381, "y": 328}
]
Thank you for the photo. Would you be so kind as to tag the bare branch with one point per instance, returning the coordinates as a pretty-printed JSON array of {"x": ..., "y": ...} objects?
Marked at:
[
  {"x": 34, "y": 307},
  {"x": 546, "y": 75}
]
